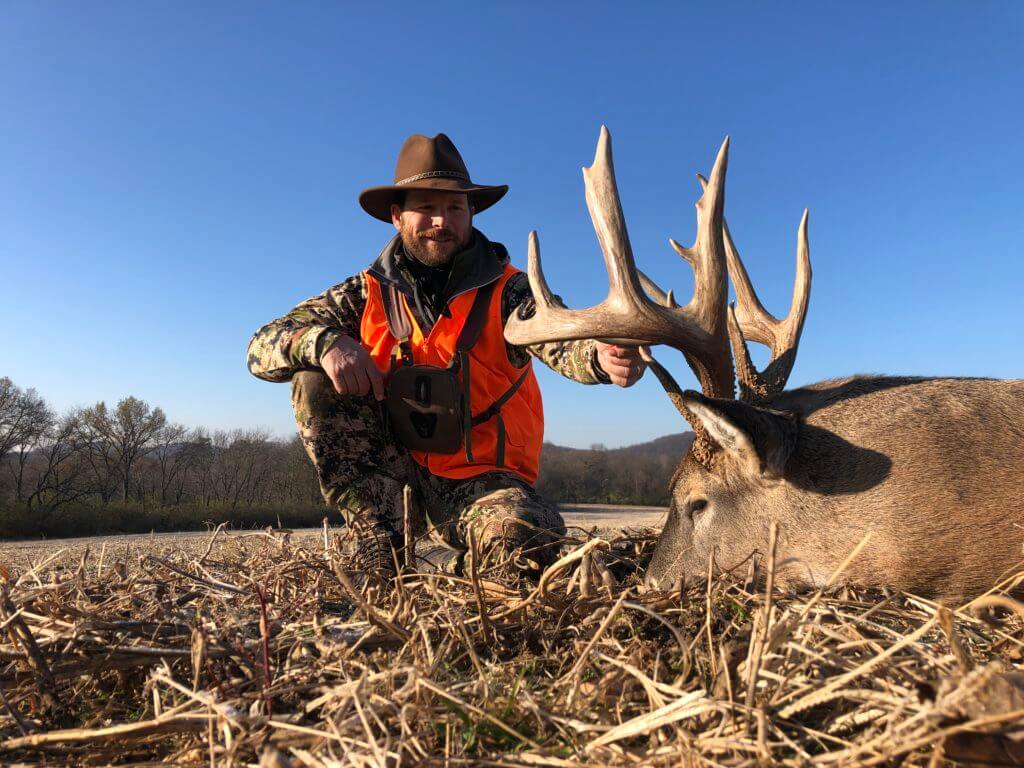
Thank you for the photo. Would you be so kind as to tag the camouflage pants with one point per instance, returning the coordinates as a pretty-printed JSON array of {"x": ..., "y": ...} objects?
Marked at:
[{"x": 362, "y": 471}]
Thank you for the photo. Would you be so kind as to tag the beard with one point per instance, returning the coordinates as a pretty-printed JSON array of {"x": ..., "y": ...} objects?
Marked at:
[{"x": 434, "y": 247}]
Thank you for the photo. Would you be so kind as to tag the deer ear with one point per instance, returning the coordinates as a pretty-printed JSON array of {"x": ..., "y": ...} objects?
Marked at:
[{"x": 760, "y": 439}]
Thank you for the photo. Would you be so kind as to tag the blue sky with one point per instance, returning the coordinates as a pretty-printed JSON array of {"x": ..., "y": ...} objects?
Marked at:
[{"x": 174, "y": 175}]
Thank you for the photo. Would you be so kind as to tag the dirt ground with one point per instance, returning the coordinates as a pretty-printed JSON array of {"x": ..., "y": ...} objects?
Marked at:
[{"x": 26, "y": 551}]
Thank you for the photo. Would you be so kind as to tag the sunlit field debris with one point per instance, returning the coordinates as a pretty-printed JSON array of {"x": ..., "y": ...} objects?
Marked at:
[{"x": 252, "y": 650}]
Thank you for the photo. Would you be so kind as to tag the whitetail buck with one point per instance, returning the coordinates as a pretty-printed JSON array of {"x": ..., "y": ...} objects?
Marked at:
[{"x": 932, "y": 468}]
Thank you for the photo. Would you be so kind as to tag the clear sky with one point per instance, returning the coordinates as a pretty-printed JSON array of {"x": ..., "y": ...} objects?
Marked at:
[{"x": 173, "y": 175}]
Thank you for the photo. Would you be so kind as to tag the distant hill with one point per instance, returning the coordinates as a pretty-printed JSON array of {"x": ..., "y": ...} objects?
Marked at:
[
  {"x": 674, "y": 446},
  {"x": 634, "y": 474},
  {"x": 669, "y": 445}
]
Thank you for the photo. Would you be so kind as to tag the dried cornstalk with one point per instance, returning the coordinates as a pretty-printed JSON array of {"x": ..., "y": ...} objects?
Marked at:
[{"x": 176, "y": 658}]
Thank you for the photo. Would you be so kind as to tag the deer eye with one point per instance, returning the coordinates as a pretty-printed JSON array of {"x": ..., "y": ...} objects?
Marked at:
[{"x": 695, "y": 507}]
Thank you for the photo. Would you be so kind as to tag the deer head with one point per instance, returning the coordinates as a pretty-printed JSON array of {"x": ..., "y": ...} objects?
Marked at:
[{"x": 738, "y": 442}]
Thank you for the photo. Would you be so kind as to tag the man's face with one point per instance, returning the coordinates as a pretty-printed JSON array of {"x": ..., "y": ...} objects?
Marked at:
[{"x": 434, "y": 225}]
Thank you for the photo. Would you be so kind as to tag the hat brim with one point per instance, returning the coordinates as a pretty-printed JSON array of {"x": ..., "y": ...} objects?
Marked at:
[{"x": 377, "y": 201}]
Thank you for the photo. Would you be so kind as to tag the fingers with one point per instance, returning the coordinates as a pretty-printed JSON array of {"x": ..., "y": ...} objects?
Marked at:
[
  {"x": 336, "y": 374},
  {"x": 376, "y": 381},
  {"x": 626, "y": 355},
  {"x": 623, "y": 365},
  {"x": 336, "y": 379},
  {"x": 363, "y": 381},
  {"x": 624, "y": 375},
  {"x": 334, "y": 371},
  {"x": 351, "y": 381},
  {"x": 355, "y": 376},
  {"x": 370, "y": 380},
  {"x": 342, "y": 375}
]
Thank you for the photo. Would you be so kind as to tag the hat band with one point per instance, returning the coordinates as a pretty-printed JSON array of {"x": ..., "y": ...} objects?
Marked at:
[{"x": 433, "y": 175}]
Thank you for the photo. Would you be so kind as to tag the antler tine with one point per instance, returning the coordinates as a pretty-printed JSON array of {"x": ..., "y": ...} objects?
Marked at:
[
  {"x": 759, "y": 324},
  {"x": 602, "y": 195},
  {"x": 749, "y": 320},
  {"x": 713, "y": 364},
  {"x": 542, "y": 294},
  {"x": 713, "y": 368},
  {"x": 710, "y": 273},
  {"x": 552, "y": 321}
]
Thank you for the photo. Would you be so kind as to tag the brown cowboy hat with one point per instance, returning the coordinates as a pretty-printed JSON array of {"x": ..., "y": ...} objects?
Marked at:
[{"x": 425, "y": 163}]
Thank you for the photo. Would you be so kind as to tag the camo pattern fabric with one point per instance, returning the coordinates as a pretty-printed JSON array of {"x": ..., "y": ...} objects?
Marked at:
[
  {"x": 296, "y": 341},
  {"x": 501, "y": 509},
  {"x": 363, "y": 471}
]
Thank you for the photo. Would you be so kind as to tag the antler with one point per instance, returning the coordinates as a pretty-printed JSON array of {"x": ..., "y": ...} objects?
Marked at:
[
  {"x": 627, "y": 315},
  {"x": 749, "y": 320}
]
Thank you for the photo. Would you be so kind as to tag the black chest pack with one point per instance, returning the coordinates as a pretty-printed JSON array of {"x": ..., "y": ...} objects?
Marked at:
[{"x": 429, "y": 407}]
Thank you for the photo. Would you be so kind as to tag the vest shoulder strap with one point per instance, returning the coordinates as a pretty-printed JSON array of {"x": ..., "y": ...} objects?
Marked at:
[
  {"x": 477, "y": 318},
  {"x": 398, "y": 321},
  {"x": 468, "y": 336}
]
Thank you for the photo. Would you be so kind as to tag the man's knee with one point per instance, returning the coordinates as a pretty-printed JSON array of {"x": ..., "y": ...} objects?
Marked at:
[
  {"x": 512, "y": 517},
  {"x": 312, "y": 395}
]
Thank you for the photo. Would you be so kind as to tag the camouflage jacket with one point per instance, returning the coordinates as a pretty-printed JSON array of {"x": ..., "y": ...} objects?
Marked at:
[{"x": 296, "y": 341}]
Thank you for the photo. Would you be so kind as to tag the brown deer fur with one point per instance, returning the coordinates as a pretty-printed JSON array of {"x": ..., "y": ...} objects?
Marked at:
[{"x": 931, "y": 468}]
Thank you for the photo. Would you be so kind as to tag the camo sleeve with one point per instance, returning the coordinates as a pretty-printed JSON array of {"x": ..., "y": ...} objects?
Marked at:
[
  {"x": 576, "y": 360},
  {"x": 295, "y": 342}
]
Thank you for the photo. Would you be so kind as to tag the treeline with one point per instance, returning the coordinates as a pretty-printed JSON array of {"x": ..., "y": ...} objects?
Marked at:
[
  {"x": 127, "y": 468},
  {"x": 638, "y": 474}
]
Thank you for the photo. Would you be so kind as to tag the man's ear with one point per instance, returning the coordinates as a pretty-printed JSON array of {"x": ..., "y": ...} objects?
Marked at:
[
  {"x": 396, "y": 216},
  {"x": 760, "y": 439}
]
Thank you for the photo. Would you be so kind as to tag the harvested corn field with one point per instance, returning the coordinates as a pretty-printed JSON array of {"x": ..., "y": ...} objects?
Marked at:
[{"x": 257, "y": 649}]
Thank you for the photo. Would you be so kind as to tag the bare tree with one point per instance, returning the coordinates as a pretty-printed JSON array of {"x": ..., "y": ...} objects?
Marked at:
[
  {"x": 60, "y": 476},
  {"x": 240, "y": 465},
  {"x": 167, "y": 447},
  {"x": 120, "y": 438},
  {"x": 22, "y": 457},
  {"x": 23, "y": 415},
  {"x": 25, "y": 420},
  {"x": 196, "y": 457}
]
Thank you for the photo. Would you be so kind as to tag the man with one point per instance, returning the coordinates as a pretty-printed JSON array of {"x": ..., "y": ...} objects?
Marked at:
[{"x": 437, "y": 283}]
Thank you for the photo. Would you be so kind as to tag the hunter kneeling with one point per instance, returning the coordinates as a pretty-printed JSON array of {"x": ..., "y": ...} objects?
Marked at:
[{"x": 382, "y": 363}]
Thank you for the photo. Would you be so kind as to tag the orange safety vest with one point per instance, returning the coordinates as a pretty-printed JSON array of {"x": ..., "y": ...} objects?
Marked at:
[{"x": 493, "y": 375}]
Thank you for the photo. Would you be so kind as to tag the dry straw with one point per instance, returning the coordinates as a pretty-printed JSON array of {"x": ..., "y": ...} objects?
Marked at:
[{"x": 257, "y": 649}]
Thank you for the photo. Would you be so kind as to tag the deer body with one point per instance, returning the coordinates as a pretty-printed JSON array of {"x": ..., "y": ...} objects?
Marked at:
[{"x": 931, "y": 468}]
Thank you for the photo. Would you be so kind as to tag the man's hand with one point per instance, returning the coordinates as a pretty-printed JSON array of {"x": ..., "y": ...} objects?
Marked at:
[
  {"x": 623, "y": 365},
  {"x": 350, "y": 369}
]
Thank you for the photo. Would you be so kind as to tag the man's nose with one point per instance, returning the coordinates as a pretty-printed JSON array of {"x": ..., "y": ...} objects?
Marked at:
[{"x": 437, "y": 220}]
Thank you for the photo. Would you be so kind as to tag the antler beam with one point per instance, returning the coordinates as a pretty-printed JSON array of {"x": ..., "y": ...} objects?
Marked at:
[{"x": 627, "y": 315}]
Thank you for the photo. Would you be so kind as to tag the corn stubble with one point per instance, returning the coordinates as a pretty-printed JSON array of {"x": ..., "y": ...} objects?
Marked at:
[{"x": 257, "y": 649}]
